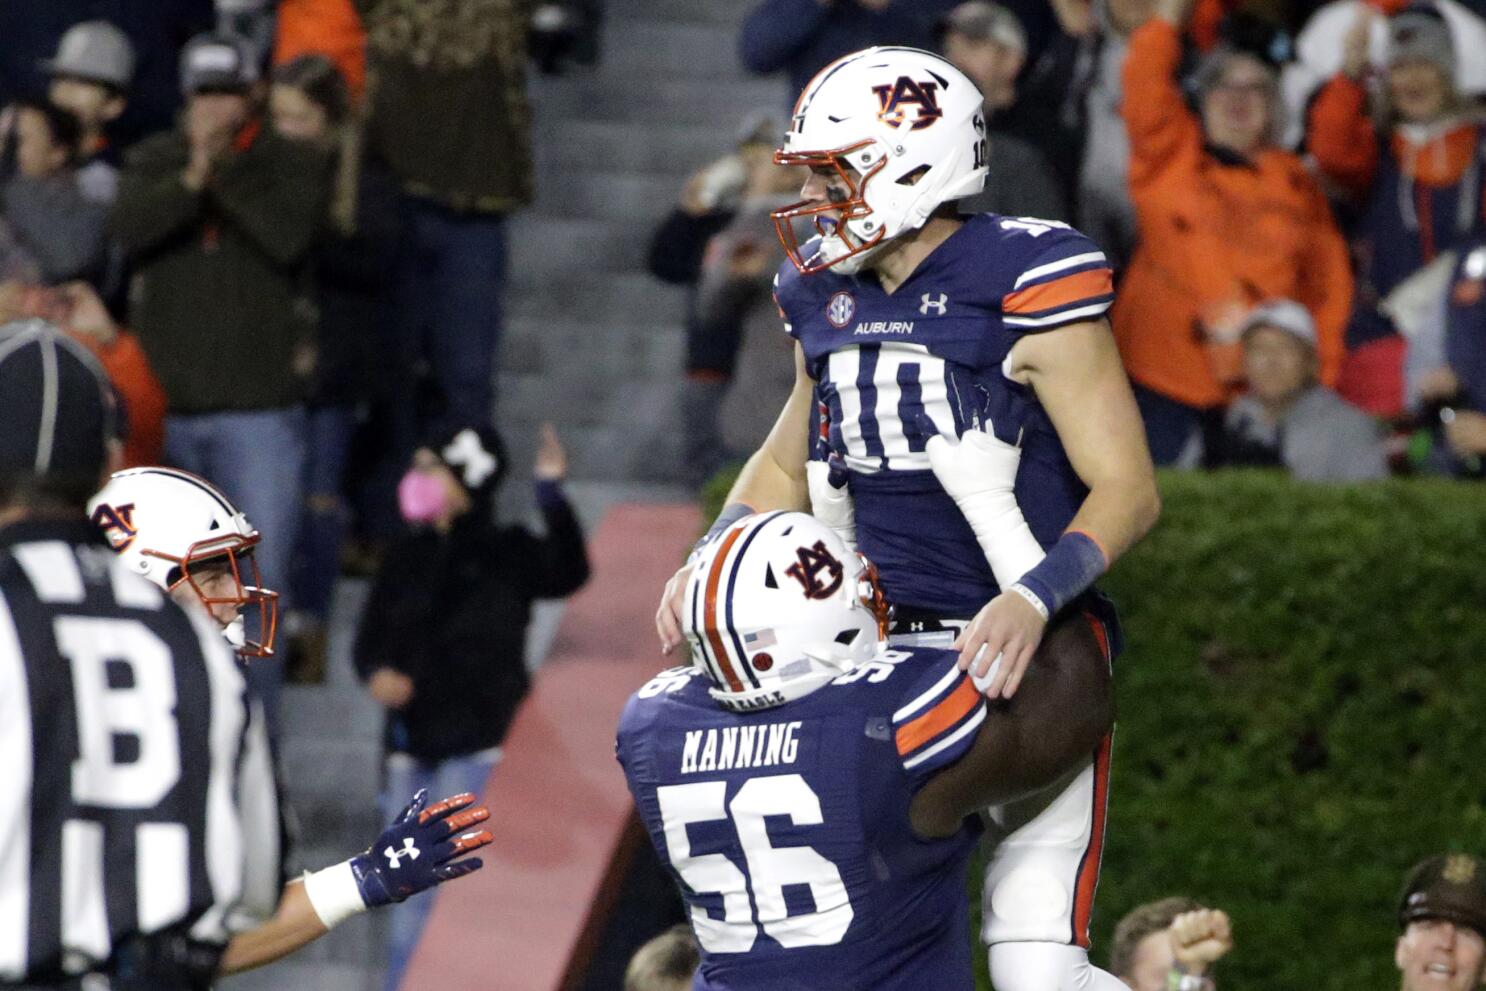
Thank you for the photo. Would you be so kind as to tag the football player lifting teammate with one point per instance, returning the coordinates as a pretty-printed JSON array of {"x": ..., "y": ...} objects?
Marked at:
[
  {"x": 960, "y": 413},
  {"x": 817, "y": 814}
]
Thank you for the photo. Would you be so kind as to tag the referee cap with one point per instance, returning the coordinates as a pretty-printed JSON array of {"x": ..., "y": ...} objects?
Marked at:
[{"x": 56, "y": 404}]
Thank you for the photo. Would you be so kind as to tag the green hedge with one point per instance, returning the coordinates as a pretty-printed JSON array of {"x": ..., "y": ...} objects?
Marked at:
[{"x": 1300, "y": 713}]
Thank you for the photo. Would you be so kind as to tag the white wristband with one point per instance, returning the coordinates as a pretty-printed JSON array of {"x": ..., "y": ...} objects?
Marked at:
[
  {"x": 1033, "y": 598},
  {"x": 333, "y": 894}
]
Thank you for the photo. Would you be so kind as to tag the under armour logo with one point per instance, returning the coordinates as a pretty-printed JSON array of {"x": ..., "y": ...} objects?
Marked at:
[
  {"x": 465, "y": 451},
  {"x": 937, "y": 305},
  {"x": 915, "y": 627},
  {"x": 813, "y": 561},
  {"x": 409, "y": 850}
]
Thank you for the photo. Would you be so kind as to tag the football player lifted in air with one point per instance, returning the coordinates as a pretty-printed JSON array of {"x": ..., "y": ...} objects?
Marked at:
[
  {"x": 182, "y": 533},
  {"x": 961, "y": 414},
  {"x": 818, "y": 813}
]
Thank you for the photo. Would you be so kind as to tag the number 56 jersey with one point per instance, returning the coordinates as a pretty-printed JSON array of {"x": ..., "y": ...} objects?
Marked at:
[
  {"x": 891, "y": 371},
  {"x": 787, "y": 829}
]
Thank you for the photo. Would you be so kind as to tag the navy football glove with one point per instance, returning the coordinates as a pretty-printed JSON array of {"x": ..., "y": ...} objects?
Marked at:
[
  {"x": 413, "y": 854},
  {"x": 417, "y": 851}
]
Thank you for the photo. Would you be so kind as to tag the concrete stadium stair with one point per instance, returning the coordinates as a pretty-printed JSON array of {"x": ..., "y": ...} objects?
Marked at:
[{"x": 592, "y": 342}]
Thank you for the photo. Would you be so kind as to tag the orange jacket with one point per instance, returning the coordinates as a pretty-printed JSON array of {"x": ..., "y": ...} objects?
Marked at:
[
  {"x": 327, "y": 27},
  {"x": 1215, "y": 239},
  {"x": 144, "y": 400}
]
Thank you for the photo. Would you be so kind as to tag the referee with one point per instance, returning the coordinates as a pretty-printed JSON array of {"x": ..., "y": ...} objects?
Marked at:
[{"x": 125, "y": 848}]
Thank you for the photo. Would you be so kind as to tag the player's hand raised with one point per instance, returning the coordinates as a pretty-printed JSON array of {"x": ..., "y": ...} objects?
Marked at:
[
  {"x": 668, "y": 616},
  {"x": 999, "y": 643}
]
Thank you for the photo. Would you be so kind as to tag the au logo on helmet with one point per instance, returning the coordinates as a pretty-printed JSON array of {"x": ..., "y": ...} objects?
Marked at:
[
  {"x": 812, "y": 564},
  {"x": 117, "y": 524},
  {"x": 896, "y": 97}
]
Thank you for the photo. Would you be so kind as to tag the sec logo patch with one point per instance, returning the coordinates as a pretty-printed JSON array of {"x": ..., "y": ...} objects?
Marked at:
[{"x": 841, "y": 309}]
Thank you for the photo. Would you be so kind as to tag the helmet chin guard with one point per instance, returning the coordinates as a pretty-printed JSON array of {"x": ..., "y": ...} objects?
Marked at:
[
  {"x": 838, "y": 247},
  {"x": 231, "y": 554},
  {"x": 777, "y": 607},
  {"x": 902, "y": 130}
]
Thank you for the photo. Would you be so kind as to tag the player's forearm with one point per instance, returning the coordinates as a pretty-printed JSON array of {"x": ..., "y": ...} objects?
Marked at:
[
  {"x": 765, "y": 485},
  {"x": 1118, "y": 512},
  {"x": 774, "y": 478},
  {"x": 293, "y": 926}
]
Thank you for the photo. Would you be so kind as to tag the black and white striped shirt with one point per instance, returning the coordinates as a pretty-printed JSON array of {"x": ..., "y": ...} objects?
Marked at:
[{"x": 127, "y": 762}]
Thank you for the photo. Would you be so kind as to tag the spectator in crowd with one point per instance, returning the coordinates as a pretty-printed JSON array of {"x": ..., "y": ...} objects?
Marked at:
[
  {"x": 1105, "y": 212},
  {"x": 450, "y": 117},
  {"x": 155, "y": 31},
  {"x": 987, "y": 43},
  {"x": 1287, "y": 418},
  {"x": 1417, "y": 182},
  {"x": 1227, "y": 219},
  {"x": 1447, "y": 373},
  {"x": 76, "y": 308},
  {"x": 251, "y": 20},
  {"x": 666, "y": 963},
  {"x": 52, "y": 222},
  {"x": 1170, "y": 945},
  {"x": 801, "y": 36},
  {"x": 331, "y": 28},
  {"x": 724, "y": 205},
  {"x": 1443, "y": 917},
  {"x": 218, "y": 218},
  {"x": 442, "y": 640},
  {"x": 354, "y": 263},
  {"x": 90, "y": 77},
  {"x": 1321, "y": 46}
]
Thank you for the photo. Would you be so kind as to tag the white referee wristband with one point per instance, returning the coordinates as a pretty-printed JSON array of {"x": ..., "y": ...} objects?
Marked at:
[
  {"x": 1033, "y": 598},
  {"x": 333, "y": 894}
]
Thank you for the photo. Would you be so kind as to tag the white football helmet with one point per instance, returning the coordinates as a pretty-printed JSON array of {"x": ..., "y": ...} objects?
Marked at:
[
  {"x": 167, "y": 524},
  {"x": 904, "y": 129},
  {"x": 777, "y": 606}
]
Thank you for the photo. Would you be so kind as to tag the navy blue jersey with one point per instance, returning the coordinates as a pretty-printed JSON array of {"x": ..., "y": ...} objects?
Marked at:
[
  {"x": 787, "y": 829},
  {"x": 891, "y": 371}
]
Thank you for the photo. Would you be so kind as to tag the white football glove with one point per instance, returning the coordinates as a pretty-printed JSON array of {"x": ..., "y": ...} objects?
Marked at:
[
  {"x": 830, "y": 499},
  {"x": 979, "y": 472}
]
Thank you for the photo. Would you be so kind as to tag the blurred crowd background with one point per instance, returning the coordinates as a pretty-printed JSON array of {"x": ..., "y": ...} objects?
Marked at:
[{"x": 287, "y": 229}]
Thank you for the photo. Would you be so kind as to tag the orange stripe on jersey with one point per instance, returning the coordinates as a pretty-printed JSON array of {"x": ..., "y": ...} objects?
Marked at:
[
  {"x": 1060, "y": 292},
  {"x": 950, "y": 710},
  {"x": 709, "y": 611}
]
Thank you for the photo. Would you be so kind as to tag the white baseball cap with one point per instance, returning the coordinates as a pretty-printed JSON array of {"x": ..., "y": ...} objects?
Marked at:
[{"x": 1282, "y": 314}]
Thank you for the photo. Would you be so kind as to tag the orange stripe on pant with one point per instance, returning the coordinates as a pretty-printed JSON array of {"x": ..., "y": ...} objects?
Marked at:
[
  {"x": 1060, "y": 292},
  {"x": 1088, "y": 868},
  {"x": 938, "y": 719},
  {"x": 709, "y": 611}
]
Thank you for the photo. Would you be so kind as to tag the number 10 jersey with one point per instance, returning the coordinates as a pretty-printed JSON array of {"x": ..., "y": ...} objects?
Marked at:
[
  {"x": 891, "y": 371},
  {"x": 787, "y": 829}
]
